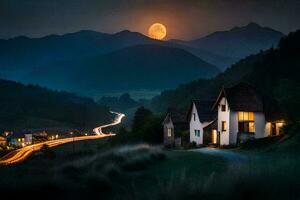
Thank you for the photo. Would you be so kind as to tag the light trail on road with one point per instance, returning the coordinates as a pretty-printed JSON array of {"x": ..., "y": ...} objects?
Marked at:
[
  {"x": 118, "y": 120},
  {"x": 20, "y": 155}
]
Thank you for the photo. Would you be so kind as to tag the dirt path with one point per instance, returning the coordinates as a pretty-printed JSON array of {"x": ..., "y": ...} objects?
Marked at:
[{"x": 234, "y": 158}]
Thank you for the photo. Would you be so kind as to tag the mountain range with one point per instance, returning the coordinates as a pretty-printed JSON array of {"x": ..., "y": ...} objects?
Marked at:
[
  {"x": 92, "y": 61},
  {"x": 238, "y": 42}
]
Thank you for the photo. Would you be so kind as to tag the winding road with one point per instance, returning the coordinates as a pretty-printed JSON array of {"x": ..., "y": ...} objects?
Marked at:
[{"x": 21, "y": 154}]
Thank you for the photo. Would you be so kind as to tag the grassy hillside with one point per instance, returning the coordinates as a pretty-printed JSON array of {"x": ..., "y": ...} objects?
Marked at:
[
  {"x": 148, "y": 172},
  {"x": 126, "y": 172},
  {"x": 28, "y": 106}
]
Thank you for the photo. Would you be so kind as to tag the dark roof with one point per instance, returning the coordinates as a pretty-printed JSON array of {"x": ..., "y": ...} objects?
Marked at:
[
  {"x": 212, "y": 125},
  {"x": 176, "y": 115},
  {"x": 18, "y": 134},
  {"x": 241, "y": 97},
  {"x": 204, "y": 110},
  {"x": 272, "y": 110}
]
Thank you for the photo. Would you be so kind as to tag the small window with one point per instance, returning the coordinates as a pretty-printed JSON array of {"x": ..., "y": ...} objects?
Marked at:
[
  {"x": 195, "y": 132},
  {"x": 223, "y": 108},
  {"x": 169, "y": 132},
  {"x": 224, "y": 125},
  {"x": 194, "y": 116}
]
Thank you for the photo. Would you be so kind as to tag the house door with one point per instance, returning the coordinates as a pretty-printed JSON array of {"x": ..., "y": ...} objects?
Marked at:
[
  {"x": 273, "y": 129},
  {"x": 214, "y": 136}
]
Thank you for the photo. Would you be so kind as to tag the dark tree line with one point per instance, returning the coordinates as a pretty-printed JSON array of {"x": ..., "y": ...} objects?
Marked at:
[{"x": 36, "y": 107}]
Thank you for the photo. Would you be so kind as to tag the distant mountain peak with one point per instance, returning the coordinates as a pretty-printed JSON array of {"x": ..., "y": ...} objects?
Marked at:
[
  {"x": 126, "y": 33},
  {"x": 253, "y": 25},
  {"x": 249, "y": 26}
]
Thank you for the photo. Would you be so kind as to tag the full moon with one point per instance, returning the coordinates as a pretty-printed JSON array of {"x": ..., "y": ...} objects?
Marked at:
[{"x": 157, "y": 31}]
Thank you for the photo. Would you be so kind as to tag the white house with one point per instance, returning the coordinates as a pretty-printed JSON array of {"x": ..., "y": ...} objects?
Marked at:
[
  {"x": 200, "y": 116},
  {"x": 241, "y": 116}
]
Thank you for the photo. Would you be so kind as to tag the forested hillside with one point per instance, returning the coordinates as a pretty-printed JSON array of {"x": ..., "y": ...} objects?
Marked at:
[
  {"x": 24, "y": 107},
  {"x": 275, "y": 73}
]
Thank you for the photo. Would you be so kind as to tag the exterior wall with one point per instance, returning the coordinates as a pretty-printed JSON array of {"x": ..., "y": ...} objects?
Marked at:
[
  {"x": 224, "y": 116},
  {"x": 268, "y": 129},
  {"x": 234, "y": 128},
  {"x": 195, "y": 125},
  {"x": 168, "y": 140},
  {"x": 259, "y": 123}
]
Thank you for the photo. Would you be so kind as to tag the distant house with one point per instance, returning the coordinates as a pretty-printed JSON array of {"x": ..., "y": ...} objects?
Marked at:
[
  {"x": 174, "y": 124},
  {"x": 241, "y": 115},
  {"x": 202, "y": 122},
  {"x": 2, "y": 141},
  {"x": 19, "y": 139}
]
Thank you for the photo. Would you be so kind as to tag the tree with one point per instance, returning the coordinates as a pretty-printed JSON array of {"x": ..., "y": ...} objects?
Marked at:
[{"x": 140, "y": 118}]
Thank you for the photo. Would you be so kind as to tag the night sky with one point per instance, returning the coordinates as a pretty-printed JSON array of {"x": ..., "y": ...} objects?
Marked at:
[{"x": 184, "y": 19}]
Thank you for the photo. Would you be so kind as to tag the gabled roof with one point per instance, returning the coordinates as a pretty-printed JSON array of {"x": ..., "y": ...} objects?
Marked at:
[
  {"x": 18, "y": 134},
  {"x": 176, "y": 115},
  {"x": 204, "y": 110},
  {"x": 241, "y": 97}
]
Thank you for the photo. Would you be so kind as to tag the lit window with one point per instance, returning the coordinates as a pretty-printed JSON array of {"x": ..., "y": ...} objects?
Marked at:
[
  {"x": 251, "y": 127},
  {"x": 246, "y": 122},
  {"x": 169, "y": 132},
  {"x": 223, "y": 108},
  {"x": 245, "y": 116},
  {"x": 240, "y": 116},
  {"x": 251, "y": 116},
  {"x": 224, "y": 125}
]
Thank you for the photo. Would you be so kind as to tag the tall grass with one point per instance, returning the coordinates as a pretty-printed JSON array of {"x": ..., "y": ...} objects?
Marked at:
[
  {"x": 95, "y": 172},
  {"x": 266, "y": 177}
]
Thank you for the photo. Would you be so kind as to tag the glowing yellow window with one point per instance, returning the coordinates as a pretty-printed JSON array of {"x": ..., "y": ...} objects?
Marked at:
[
  {"x": 251, "y": 116},
  {"x": 240, "y": 116},
  {"x": 169, "y": 132},
  {"x": 251, "y": 127},
  {"x": 245, "y": 116}
]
